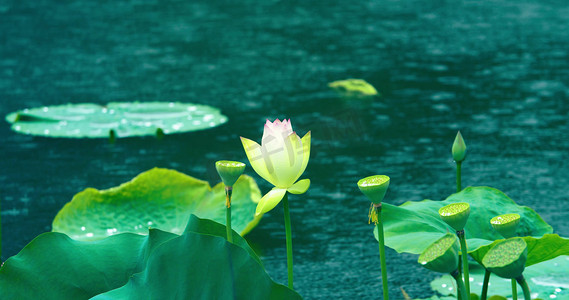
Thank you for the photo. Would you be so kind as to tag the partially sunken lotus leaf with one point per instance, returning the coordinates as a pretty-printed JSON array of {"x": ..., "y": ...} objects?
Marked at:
[
  {"x": 455, "y": 214},
  {"x": 356, "y": 88},
  {"x": 506, "y": 224},
  {"x": 458, "y": 148},
  {"x": 374, "y": 187},
  {"x": 442, "y": 255},
  {"x": 229, "y": 171},
  {"x": 507, "y": 259}
]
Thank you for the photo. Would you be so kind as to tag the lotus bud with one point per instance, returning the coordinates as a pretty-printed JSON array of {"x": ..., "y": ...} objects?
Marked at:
[
  {"x": 455, "y": 214},
  {"x": 458, "y": 148},
  {"x": 506, "y": 224},
  {"x": 229, "y": 171},
  {"x": 507, "y": 258},
  {"x": 442, "y": 255}
]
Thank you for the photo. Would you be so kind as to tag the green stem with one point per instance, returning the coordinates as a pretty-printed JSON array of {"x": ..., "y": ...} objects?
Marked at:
[
  {"x": 514, "y": 289},
  {"x": 464, "y": 253},
  {"x": 382, "y": 252},
  {"x": 522, "y": 281},
  {"x": 461, "y": 291},
  {"x": 484, "y": 294},
  {"x": 288, "y": 231},
  {"x": 228, "y": 214},
  {"x": 458, "y": 176}
]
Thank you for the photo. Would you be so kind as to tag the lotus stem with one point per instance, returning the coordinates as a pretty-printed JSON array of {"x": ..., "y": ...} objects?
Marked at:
[
  {"x": 464, "y": 253},
  {"x": 484, "y": 294},
  {"x": 461, "y": 290},
  {"x": 382, "y": 251},
  {"x": 522, "y": 281},
  {"x": 514, "y": 289},
  {"x": 288, "y": 231},
  {"x": 228, "y": 191},
  {"x": 458, "y": 176}
]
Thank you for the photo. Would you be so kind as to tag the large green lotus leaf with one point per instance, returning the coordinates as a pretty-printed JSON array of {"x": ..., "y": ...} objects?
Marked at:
[
  {"x": 54, "y": 266},
  {"x": 158, "y": 198},
  {"x": 124, "y": 119},
  {"x": 546, "y": 280},
  {"x": 195, "y": 266},
  {"x": 413, "y": 226}
]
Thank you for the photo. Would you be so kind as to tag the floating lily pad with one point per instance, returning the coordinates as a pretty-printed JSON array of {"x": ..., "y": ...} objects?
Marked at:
[
  {"x": 115, "y": 119},
  {"x": 413, "y": 226},
  {"x": 546, "y": 280},
  {"x": 353, "y": 88},
  {"x": 158, "y": 198},
  {"x": 53, "y": 266}
]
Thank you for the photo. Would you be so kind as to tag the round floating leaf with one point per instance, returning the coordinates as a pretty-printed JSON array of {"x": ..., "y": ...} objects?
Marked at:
[
  {"x": 53, "y": 266},
  {"x": 546, "y": 280},
  {"x": 116, "y": 119},
  {"x": 413, "y": 226},
  {"x": 158, "y": 198},
  {"x": 195, "y": 266}
]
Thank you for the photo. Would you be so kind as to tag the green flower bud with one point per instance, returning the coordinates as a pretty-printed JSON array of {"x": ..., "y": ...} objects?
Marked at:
[
  {"x": 229, "y": 171},
  {"x": 455, "y": 214},
  {"x": 374, "y": 187},
  {"x": 507, "y": 258},
  {"x": 442, "y": 255},
  {"x": 458, "y": 148},
  {"x": 506, "y": 224}
]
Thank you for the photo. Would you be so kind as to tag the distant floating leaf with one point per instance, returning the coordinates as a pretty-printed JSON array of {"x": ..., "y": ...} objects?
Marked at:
[
  {"x": 115, "y": 119},
  {"x": 158, "y": 198},
  {"x": 353, "y": 88}
]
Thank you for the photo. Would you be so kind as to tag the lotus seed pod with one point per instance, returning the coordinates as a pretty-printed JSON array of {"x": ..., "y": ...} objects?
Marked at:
[
  {"x": 229, "y": 171},
  {"x": 506, "y": 224},
  {"x": 455, "y": 214},
  {"x": 507, "y": 258},
  {"x": 374, "y": 187},
  {"x": 458, "y": 148},
  {"x": 442, "y": 255}
]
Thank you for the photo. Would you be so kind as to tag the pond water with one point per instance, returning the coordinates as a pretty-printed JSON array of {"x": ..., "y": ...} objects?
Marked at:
[{"x": 496, "y": 70}]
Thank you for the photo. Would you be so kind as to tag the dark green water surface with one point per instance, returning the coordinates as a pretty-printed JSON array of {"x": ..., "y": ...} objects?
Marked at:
[{"x": 496, "y": 70}]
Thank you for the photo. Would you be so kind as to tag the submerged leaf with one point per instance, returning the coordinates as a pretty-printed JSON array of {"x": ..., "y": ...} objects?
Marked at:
[
  {"x": 116, "y": 119},
  {"x": 158, "y": 198},
  {"x": 413, "y": 226}
]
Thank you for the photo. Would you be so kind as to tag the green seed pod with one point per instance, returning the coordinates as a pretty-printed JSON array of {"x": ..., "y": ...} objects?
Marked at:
[
  {"x": 374, "y": 187},
  {"x": 442, "y": 255},
  {"x": 458, "y": 148},
  {"x": 455, "y": 214},
  {"x": 229, "y": 171},
  {"x": 506, "y": 224},
  {"x": 507, "y": 258}
]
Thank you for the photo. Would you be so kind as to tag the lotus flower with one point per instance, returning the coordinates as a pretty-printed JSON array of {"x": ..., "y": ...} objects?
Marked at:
[{"x": 281, "y": 159}]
